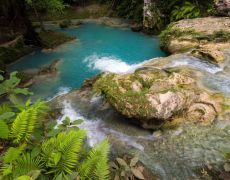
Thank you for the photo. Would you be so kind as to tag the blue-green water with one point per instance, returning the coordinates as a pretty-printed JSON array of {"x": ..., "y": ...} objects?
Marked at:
[{"x": 98, "y": 48}]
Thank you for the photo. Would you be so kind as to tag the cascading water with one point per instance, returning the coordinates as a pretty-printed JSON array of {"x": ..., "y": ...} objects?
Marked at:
[{"x": 173, "y": 154}]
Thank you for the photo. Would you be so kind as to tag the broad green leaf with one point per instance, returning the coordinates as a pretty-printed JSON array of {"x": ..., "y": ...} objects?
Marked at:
[
  {"x": 34, "y": 174},
  {"x": 61, "y": 126},
  {"x": 52, "y": 124},
  {"x": 134, "y": 161},
  {"x": 66, "y": 121},
  {"x": 77, "y": 122},
  {"x": 54, "y": 132},
  {"x": 24, "y": 178},
  {"x": 35, "y": 151},
  {"x": 24, "y": 91},
  {"x": 2, "y": 89},
  {"x": 4, "y": 130},
  {"x": 16, "y": 100}
]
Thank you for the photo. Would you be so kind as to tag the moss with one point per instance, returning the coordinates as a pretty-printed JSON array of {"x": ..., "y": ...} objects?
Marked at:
[
  {"x": 175, "y": 33},
  {"x": 221, "y": 36},
  {"x": 13, "y": 53},
  {"x": 123, "y": 98},
  {"x": 51, "y": 39},
  {"x": 171, "y": 33}
]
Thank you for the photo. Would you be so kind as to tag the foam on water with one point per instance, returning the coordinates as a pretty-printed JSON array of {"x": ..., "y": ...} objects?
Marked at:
[
  {"x": 61, "y": 91},
  {"x": 96, "y": 130},
  {"x": 110, "y": 64},
  {"x": 196, "y": 63},
  {"x": 94, "y": 135}
]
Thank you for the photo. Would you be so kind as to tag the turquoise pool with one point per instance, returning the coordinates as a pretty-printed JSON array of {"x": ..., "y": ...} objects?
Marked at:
[{"x": 98, "y": 48}]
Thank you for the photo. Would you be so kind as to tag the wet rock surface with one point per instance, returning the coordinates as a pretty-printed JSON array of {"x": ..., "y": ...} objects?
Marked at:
[
  {"x": 172, "y": 153},
  {"x": 47, "y": 71},
  {"x": 206, "y": 37},
  {"x": 152, "y": 97}
]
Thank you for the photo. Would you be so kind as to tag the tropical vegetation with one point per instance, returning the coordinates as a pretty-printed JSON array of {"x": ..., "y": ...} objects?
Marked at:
[{"x": 35, "y": 147}]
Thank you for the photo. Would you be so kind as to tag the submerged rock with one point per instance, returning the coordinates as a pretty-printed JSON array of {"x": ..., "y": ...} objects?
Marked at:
[
  {"x": 208, "y": 36},
  {"x": 153, "y": 97},
  {"x": 31, "y": 76}
]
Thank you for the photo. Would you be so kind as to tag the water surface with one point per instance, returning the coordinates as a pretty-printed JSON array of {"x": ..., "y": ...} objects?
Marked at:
[{"x": 98, "y": 48}]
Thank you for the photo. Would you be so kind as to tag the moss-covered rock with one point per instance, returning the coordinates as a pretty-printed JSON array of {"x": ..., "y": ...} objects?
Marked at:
[
  {"x": 153, "y": 97},
  {"x": 11, "y": 53},
  {"x": 51, "y": 39},
  {"x": 65, "y": 23},
  {"x": 205, "y": 35}
]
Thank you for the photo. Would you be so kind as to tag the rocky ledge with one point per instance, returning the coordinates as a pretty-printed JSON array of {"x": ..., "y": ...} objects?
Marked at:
[
  {"x": 154, "y": 96},
  {"x": 202, "y": 37}
]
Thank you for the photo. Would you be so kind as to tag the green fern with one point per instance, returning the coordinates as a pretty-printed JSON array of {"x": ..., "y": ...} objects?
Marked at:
[
  {"x": 25, "y": 165},
  {"x": 60, "y": 154},
  {"x": 12, "y": 154},
  {"x": 26, "y": 121},
  {"x": 96, "y": 165},
  {"x": 186, "y": 10},
  {"x": 4, "y": 130}
]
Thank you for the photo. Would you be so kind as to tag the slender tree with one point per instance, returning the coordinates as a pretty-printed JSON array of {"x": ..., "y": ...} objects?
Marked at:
[{"x": 45, "y": 6}]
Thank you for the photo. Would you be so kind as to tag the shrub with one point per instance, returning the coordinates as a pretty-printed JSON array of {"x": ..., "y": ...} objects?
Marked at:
[
  {"x": 65, "y": 23},
  {"x": 36, "y": 148}
]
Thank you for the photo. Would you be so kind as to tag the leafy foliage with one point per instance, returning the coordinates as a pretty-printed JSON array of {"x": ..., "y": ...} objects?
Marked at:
[
  {"x": 186, "y": 10},
  {"x": 60, "y": 154},
  {"x": 45, "y": 6},
  {"x": 26, "y": 121},
  {"x": 10, "y": 88},
  {"x": 57, "y": 155},
  {"x": 96, "y": 164},
  {"x": 128, "y": 169}
]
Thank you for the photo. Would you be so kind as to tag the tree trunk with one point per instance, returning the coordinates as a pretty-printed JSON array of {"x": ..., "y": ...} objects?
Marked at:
[{"x": 30, "y": 36}]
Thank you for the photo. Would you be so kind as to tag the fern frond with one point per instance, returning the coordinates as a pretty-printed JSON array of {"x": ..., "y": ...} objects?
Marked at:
[
  {"x": 25, "y": 122},
  {"x": 4, "y": 130},
  {"x": 19, "y": 126},
  {"x": 102, "y": 168},
  {"x": 12, "y": 154},
  {"x": 5, "y": 108},
  {"x": 61, "y": 153},
  {"x": 96, "y": 165},
  {"x": 26, "y": 164}
]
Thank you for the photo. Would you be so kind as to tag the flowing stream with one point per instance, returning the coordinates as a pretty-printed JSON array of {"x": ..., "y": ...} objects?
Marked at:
[{"x": 180, "y": 153}]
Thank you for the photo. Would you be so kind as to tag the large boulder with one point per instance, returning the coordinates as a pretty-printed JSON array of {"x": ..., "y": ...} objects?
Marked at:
[
  {"x": 153, "y": 97},
  {"x": 207, "y": 36}
]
